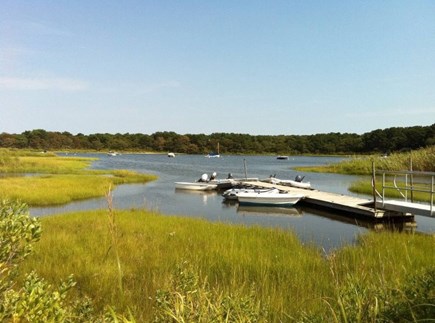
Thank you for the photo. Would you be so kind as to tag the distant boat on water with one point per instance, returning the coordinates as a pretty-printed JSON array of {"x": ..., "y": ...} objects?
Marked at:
[
  {"x": 172, "y": 155},
  {"x": 214, "y": 154},
  {"x": 282, "y": 157}
]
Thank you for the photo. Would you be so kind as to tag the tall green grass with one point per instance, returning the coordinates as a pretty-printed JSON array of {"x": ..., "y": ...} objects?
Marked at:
[
  {"x": 151, "y": 246},
  {"x": 267, "y": 268}
]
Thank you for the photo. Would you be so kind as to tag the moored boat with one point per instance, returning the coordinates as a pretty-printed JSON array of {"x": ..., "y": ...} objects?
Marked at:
[
  {"x": 195, "y": 186},
  {"x": 297, "y": 182},
  {"x": 223, "y": 184},
  {"x": 268, "y": 199},
  {"x": 231, "y": 194},
  {"x": 214, "y": 154}
]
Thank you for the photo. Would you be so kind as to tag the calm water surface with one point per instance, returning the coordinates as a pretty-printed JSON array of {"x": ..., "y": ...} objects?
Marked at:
[{"x": 326, "y": 230}]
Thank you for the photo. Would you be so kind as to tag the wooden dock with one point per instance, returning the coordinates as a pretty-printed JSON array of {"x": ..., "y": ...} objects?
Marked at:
[{"x": 337, "y": 202}]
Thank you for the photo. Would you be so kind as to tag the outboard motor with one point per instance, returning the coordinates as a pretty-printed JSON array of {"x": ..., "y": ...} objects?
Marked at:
[
  {"x": 230, "y": 176},
  {"x": 299, "y": 178},
  {"x": 213, "y": 176}
]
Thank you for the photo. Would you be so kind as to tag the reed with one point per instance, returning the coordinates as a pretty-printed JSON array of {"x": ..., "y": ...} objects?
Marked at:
[{"x": 268, "y": 268}]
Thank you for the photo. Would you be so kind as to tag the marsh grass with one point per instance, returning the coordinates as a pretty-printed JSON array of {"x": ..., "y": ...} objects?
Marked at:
[
  {"x": 389, "y": 277},
  {"x": 43, "y": 190},
  {"x": 14, "y": 161},
  {"x": 269, "y": 268},
  {"x": 150, "y": 247},
  {"x": 57, "y": 180}
]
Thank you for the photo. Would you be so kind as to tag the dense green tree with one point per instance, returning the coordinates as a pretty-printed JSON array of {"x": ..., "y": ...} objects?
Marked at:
[{"x": 380, "y": 141}]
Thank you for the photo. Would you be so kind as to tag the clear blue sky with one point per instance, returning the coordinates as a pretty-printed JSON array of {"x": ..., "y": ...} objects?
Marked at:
[{"x": 248, "y": 66}]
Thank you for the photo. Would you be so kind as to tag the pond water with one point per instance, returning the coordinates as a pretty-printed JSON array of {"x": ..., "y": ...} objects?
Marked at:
[{"x": 324, "y": 229}]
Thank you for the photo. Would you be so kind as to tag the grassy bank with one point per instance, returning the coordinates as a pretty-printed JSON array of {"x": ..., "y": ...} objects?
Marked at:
[
  {"x": 268, "y": 269},
  {"x": 56, "y": 180}
]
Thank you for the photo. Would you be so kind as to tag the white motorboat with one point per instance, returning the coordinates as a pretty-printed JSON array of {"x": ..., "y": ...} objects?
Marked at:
[
  {"x": 290, "y": 182},
  {"x": 195, "y": 186},
  {"x": 269, "y": 199},
  {"x": 171, "y": 155},
  {"x": 223, "y": 184},
  {"x": 231, "y": 194},
  {"x": 297, "y": 182}
]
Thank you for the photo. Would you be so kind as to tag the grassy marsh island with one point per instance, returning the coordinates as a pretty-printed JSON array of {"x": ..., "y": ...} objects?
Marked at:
[
  {"x": 189, "y": 269},
  {"x": 57, "y": 180}
]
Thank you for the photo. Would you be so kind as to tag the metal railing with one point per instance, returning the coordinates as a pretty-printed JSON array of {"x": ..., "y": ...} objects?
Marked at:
[{"x": 407, "y": 184}]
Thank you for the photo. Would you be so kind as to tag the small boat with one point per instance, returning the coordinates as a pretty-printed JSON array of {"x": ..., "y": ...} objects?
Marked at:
[
  {"x": 223, "y": 184},
  {"x": 269, "y": 199},
  {"x": 195, "y": 186},
  {"x": 282, "y": 157},
  {"x": 290, "y": 182},
  {"x": 297, "y": 182},
  {"x": 214, "y": 154},
  {"x": 112, "y": 153},
  {"x": 172, "y": 155},
  {"x": 231, "y": 194}
]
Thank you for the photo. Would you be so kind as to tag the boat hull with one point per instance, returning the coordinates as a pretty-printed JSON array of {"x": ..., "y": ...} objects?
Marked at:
[
  {"x": 232, "y": 194},
  {"x": 195, "y": 186},
  {"x": 288, "y": 182},
  {"x": 268, "y": 199}
]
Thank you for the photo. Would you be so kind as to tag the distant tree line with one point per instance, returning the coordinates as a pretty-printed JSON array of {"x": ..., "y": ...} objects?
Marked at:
[{"x": 382, "y": 141}]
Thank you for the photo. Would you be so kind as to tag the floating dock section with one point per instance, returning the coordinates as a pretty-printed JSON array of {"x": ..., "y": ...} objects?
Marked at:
[{"x": 338, "y": 202}]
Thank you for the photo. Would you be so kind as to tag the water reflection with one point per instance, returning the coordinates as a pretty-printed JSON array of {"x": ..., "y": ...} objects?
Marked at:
[
  {"x": 203, "y": 195},
  {"x": 269, "y": 211}
]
